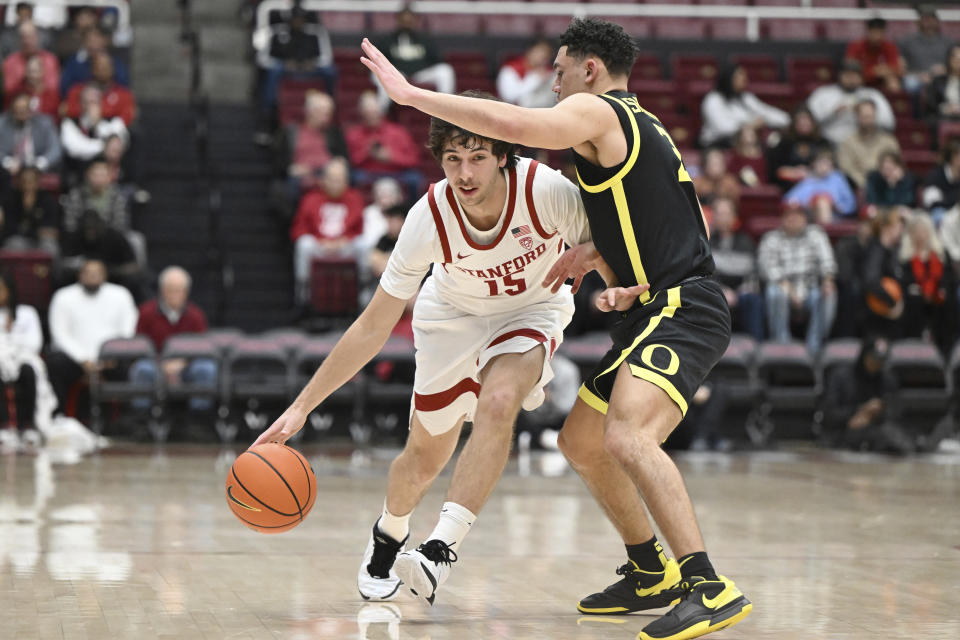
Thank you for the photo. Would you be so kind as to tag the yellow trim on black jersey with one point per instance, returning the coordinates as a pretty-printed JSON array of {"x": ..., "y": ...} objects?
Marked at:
[
  {"x": 593, "y": 400},
  {"x": 630, "y": 237},
  {"x": 631, "y": 158}
]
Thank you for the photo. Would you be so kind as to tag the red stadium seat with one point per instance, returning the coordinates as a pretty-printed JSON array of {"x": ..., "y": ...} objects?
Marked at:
[
  {"x": 470, "y": 63},
  {"x": 780, "y": 95},
  {"x": 656, "y": 95},
  {"x": 452, "y": 23},
  {"x": 760, "y": 201},
  {"x": 914, "y": 135},
  {"x": 756, "y": 227},
  {"x": 636, "y": 26},
  {"x": 681, "y": 28},
  {"x": 334, "y": 287},
  {"x": 345, "y": 21},
  {"x": 947, "y": 129},
  {"x": 901, "y": 103},
  {"x": 31, "y": 271},
  {"x": 844, "y": 30},
  {"x": 682, "y": 129},
  {"x": 703, "y": 68},
  {"x": 727, "y": 28},
  {"x": 759, "y": 68},
  {"x": 511, "y": 25},
  {"x": 647, "y": 67},
  {"x": 920, "y": 162},
  {"x": 805, "y": 71},
  {"x": 383, "y": 23},
  {"x": 789, "y": 29}
]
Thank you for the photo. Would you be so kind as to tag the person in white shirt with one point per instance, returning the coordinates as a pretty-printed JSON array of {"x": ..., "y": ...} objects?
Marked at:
[
  {"x": 484, "y": 330},
  {"x": 834, "y": 106},
  {"x": 85, "y": 138},
  {"x": 20, "y": 337},
  {"x": 82, "y": 317},
  {"x": 527, "y": 80},
  {"x": 730, "y": 107}
]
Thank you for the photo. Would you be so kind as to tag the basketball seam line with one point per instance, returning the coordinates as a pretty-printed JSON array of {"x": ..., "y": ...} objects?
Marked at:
[
  {"x": 278, "y": 512},
  {"x": 280, "y": 475},
  {"x": 270, "y": 526},
  {"x": 307, "y": 474}
]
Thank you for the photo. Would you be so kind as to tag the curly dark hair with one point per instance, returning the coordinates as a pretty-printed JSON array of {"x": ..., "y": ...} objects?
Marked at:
[
  {"x": 606, "y": 40},
  {"x": 443, "y": 133}
]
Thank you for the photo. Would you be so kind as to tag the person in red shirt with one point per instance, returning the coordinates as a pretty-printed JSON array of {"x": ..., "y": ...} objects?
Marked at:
[
  {"x": 380, "y": 148},
  {"x": 118, "y": 101},
  {"x": 328, "y": 223},
  {"x": 15, "y": 65},
  {"x": 171, "y": 313},
  {"x": 43, "y": 97},
  {"x": 882, "y": 65}
]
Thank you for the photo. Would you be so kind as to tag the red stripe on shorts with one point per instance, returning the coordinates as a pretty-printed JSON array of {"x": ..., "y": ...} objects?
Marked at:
[
  {"x": 525, "y": 333},
  {"x": 443, "y": 399}
]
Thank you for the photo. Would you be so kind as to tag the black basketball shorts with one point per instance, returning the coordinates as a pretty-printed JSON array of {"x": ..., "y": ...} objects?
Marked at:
[{"x": 672, "y": 341}]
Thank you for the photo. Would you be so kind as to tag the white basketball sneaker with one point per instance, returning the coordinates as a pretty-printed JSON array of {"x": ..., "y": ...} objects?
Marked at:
[
  {"x": 426, "y": 568},
  {"x": 376, "y": 579}
]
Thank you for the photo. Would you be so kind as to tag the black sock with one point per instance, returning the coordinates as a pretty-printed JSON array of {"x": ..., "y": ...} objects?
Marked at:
[
  {"x": 697, "y": 564},
  {"x": 648, "y": 556}
]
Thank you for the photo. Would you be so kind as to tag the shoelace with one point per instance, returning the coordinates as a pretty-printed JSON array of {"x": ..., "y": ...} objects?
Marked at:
[
  {"x": 438, "y": 551},
  {"x": 624, "y": 570},
  {"x": 384, "y": 553}
]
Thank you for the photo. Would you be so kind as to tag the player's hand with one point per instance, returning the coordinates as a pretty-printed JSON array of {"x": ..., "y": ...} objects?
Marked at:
[
  {"x": 285, "y": 426},
  {"x": 620, "y": 298},
  {"x": 396, "y": 86},
  {"x": 575, "y": 263}
]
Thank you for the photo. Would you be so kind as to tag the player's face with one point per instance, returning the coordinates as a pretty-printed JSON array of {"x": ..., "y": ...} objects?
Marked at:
[
  {"x": 570, "y": 75},
  {"x": 472, "y": 172}
]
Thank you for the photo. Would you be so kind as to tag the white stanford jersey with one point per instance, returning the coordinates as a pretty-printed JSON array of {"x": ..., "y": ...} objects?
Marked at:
[{"x": 489, "y": 272}]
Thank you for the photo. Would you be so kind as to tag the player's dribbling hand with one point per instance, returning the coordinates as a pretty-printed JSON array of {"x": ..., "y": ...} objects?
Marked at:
[
  {"x": 283, "y": 428},
  {"x": 394, "y": 83},
  {"x": 620, "y": 298}
]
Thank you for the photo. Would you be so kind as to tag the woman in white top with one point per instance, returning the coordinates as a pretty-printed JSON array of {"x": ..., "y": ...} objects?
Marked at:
[
  {"x": 21, "y": 338},
  {"x": 729, "y": 107}
]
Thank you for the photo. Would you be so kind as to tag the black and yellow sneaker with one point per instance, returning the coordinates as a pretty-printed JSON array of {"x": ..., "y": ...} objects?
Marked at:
[
  {"x": 705, "y": 606},
  {"x": 637, "y": 591}
]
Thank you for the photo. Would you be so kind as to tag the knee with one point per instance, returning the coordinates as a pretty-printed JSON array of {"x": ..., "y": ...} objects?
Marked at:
[
  {"x": 625, "y": 443},
  {"x": 497, "y": 409},
  {"x": 582, "y": 450}
]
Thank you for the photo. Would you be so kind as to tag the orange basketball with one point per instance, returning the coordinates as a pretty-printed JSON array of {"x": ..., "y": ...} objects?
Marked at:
[
  {"x": 880, "y": 306},
  {"x": 271, "y": 488}
]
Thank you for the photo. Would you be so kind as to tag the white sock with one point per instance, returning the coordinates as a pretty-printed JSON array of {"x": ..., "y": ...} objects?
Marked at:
[
  {"x": 397, "y": 527},
  {"x": 453, "y": 525}
]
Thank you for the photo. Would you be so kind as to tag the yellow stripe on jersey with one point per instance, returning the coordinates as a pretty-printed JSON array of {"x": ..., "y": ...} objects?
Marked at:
[
  {"x": 631, "y": 157},
  {"x": 630, "y": 238}
]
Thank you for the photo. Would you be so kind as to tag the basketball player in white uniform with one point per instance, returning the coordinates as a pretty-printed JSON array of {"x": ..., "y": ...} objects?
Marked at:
[{"x": 484, "y": 329}]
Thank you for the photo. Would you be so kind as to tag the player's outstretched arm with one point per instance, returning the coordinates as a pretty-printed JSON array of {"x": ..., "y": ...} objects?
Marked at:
[
  {"x": 359, "y": 344},
  {"x": 578, "y": 119}
]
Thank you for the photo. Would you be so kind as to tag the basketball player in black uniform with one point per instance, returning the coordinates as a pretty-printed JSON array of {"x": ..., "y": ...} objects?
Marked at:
[{"x": 648, "y": 227}]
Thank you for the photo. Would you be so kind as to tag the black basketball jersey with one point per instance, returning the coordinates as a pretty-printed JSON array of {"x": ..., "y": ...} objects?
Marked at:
[{"x": 643, "y": 212}]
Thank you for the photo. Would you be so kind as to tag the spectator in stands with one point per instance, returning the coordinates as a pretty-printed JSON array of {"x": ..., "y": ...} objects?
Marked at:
[
  {"x": 309, "y": 146},
  {"x": 10, "y": 38},
  {"x": 736, "y": 268},
  {"x": 46, "y": 15},
  {"x": 730, "y": 107},
  {"x": 79, "y": 68},
  {"x": 84, "y": 138},
  {"x": 798, "y": 265},
  {"x": 28, "y": 139},
  {"x": 171, "y": 313},
  {"x": 791, "y": 159},
  {"x": 880, "y": 262},
  {"x": 924, "y": 51},
  {"x": 825, "y": 192},
  {"x": 890, "y": 184},
  {"x": 833, "y": 105},
  {"x": 21, "y": 338},
  {"x": 527, "y": 80},
  {"x": 415, "y": 56},
  {"x": 327, "y": 223},
  {"x": 716, "y": 181},
  {"x": 861, "y": 403},
  {"x": 43, "y": 98},
  {"x": 298, "y": 51},
  {"x": 929, "y": 286},
  {"x": 943, "y": 92},
  {"x": 941, "y": 187},
  {"x": 15, "y": 65},
  {"x": 380, "y": 253},
  {"x": 850, "y": 252},
  {"x": 99, "y": 194},
  {"x": 880, "y": 59},
  {"x": 82, "y": 317},
  {"x": 386, "y": 193},
  {"x": 117, "y": 101},
  {"x": 30, "y": 217},
  {"x": 381, "y": 148},
  {"x": 859, "y": 153},
  {"x": 72, "y": 39},
  {"x": 747, "y": 161},
  {"x": 94, "y": 239}
]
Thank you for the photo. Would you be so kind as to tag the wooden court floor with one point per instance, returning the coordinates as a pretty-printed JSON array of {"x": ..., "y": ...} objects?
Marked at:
[{"x": 138, "y": 543}]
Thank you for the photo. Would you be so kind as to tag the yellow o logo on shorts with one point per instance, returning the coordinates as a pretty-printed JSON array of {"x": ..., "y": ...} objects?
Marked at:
[{"x": 646, "y": 356}]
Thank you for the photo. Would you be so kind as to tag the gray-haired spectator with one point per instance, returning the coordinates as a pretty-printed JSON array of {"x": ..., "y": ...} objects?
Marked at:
[
  {"x": 28, "y": 139},
  {"x": 310, "y": 145},
  {"x": 798, "y": 265}
]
